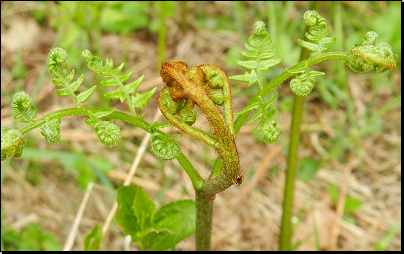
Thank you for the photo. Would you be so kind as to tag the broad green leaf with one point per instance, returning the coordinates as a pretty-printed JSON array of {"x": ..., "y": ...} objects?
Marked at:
[
  {"x": 249, "y": 78},
  {"x": 141, "y": 99},
  {"x": 92, "y": 240},
  {"x": 83, "y": 96},
  {"x": 352, "y": 204},
  {"x": 125, "y": 215},
  {"x": 164, "y": 240},
  {"x": 144, "y": 209}
]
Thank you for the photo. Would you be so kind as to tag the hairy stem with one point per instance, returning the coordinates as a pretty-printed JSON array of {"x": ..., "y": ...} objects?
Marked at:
[{"x": 204, "y": 212}]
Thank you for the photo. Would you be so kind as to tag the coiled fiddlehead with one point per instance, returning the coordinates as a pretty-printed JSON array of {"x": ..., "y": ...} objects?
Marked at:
[
  {"x": 12, "y": 143},
  {"x": 366, "y": 56},
  {"x": 51, "y": 130},
  {"x": 22, "y": 107},
  {"x": 207, "y": 87},
  {"x": 108, "y": 133},
  {"x": 161, "y": 144}
]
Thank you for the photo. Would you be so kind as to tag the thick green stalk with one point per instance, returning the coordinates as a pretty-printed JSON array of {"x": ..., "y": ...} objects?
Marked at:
[
  {"x": 297, "y": 112},
  {"x": 204, "y": 214},
  {"x": 284, "y": 243}
]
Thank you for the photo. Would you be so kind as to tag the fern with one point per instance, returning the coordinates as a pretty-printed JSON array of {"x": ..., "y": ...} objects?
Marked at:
[{"x": 261, "y": 50}]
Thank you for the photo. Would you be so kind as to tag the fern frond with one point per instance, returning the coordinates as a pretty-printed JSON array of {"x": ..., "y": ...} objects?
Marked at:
[
  {"x": 60, "y": 77},
  {"x": 124, "y": 92}
]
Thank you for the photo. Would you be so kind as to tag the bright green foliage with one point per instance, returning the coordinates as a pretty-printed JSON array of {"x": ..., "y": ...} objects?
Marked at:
[
  {"x": 51, "y": 130},
  {"x": 161, "y": 143},
  {"x": 261, "y": 50},
  {"x": 318, "y": 32},
  {"x": 94, "y": 63},
  {"x": 22, "y": 107},
  {"x": 304, "y": 83},
  {"x": 12, "y": 143},
  {"x": 159, "y": 230},
  {"x": 366, "y": 56},
  {"x": 56, "y": 58},
  {"x": 92, "y": 241}
]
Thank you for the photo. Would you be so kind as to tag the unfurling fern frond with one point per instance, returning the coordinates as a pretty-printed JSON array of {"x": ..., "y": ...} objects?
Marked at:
[
  {"x": 261, "y": 50},
  {"x": 22, "y": 107},
  {"x": 60, "y": 77},
  {"x": 318, "y": 32},
  {"x": 124, "y": 92}
]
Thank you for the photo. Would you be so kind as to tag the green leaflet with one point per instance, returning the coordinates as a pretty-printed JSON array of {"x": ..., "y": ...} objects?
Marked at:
[
  {"x": 60, "y": 77},
  {"x": 318, "y": 32}
]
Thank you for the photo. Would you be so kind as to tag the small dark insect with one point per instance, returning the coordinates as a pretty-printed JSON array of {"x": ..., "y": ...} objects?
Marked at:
[{"x": 239, "y": 179}]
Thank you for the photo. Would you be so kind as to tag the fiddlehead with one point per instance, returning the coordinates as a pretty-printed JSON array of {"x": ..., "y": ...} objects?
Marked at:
[
  {"x": 124, "y": 92},
  {"x": 318, "y": 32},
  {"x": 12, "y": 143},
  {"x": 51, "y": 130},
  {"x": 303, "y": 84},
  {"x": 207, "y": 87},
  {"x": 22, "y": 107},
  {"x": 366, "y": 56},
  {"x": 161, "y": 144},
  {"x": 261, "y": 50},
  {"x": 56, "y": 58}
]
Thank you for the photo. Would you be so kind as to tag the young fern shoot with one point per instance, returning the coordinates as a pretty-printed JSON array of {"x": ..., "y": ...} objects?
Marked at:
[{"x": 261, "y": 50}]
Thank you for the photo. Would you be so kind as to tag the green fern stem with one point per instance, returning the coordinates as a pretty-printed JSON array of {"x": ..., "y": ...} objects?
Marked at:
[{"x": 283, "y": 77}]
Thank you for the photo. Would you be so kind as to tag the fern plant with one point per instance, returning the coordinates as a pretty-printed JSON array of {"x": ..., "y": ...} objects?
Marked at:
[{"x": 205, "y": 87}]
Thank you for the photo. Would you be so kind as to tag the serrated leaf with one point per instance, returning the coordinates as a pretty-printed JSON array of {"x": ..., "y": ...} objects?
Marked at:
[
  {"x": 164, "y": 240},
  {"x": 308, "y": 45},
  {"x": 250, "y": 64},
  {"x": 83, "y": 96},
  {"x": 62, "y": 92},
  {"x": 116, "y": 94},
  {"x": 92, "y": 240},
  {"x": 249, "y": 78},
  {"x": 125, "y": 212},
  {"x": 141, "y": 99},
  {"x": 144, "y": 210},
  {"x": 266, "y": 64}
]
